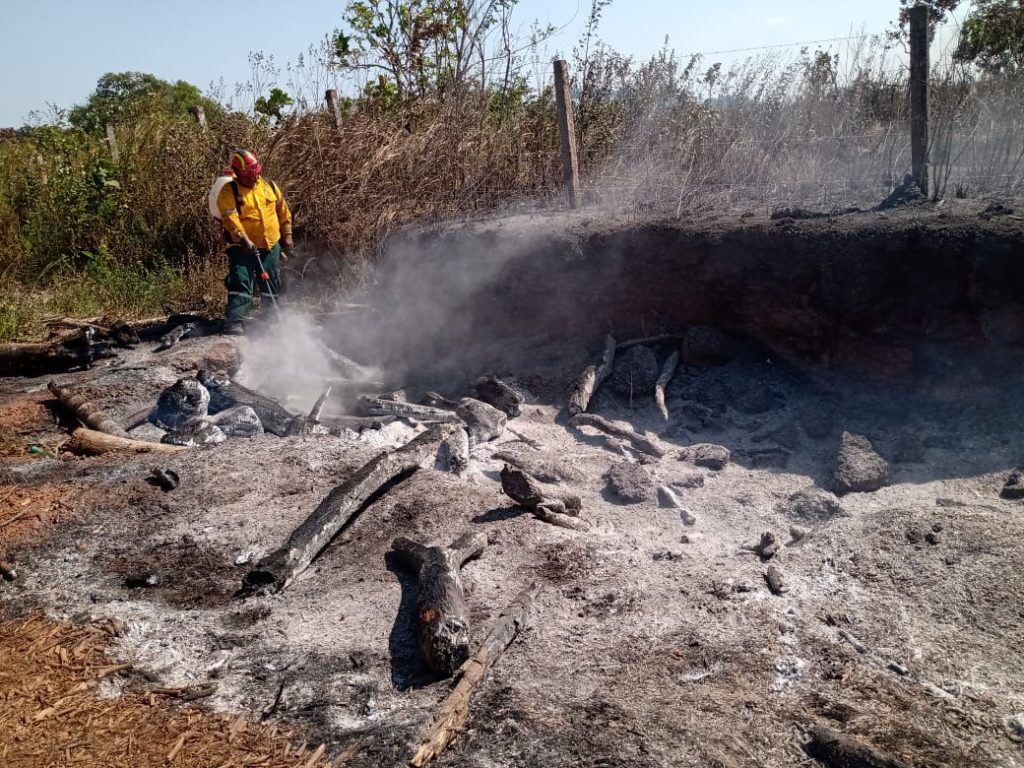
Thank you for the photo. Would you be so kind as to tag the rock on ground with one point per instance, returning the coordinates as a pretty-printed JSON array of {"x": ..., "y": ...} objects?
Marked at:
[
  {"x": 181, "y": 402},
  {"x": 812, "y": 504},
  {"x": 483, "y": 422},
  {"x": 631, "y": 482},
  {"x": 859, "y": 469},
  {"x": 706, "y": 455},
  {"x": 636, "y": 373}
]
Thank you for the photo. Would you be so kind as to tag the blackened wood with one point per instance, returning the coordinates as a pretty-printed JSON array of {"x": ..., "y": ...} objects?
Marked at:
[
  {"x": 226, "y": 393},
  {"x": 560, "y": 510},
  {"x": 666, "y": 376},
  {"x": 441, "y": 613},
  {"x": 592, "y": 377},
  {"x": 85, "y": 410},
  {"x": 278, "y": 569},
  {"x": 454, "y": 711}
]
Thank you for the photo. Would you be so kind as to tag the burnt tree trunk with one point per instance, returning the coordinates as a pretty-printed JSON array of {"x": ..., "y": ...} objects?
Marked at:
[
  {"x": 86, "y": 411},
  {"x": 443, "y": 620},
  {"x": 377, "y": 406},
  {"x": 454, "y": 711},
  {"x": 89, "y": 442},
  {"x": 592, "y": 378},
  {"x": 278, "y": 569}
]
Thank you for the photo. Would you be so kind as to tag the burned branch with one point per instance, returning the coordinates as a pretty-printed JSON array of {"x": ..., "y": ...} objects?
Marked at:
[
  {"x": 443, "y": 619},
  {"x": 308, "y": 425},
  {"x": 226, "y": 393},
  {"x": 454, "y": 711},
  {"x": 663, "y": 380},
  {"x": 640, "y": 442},
  {"x": 563, "y": 511},
  {"x": 278, "y": 569},
  {"x": 592, "y": 378}
]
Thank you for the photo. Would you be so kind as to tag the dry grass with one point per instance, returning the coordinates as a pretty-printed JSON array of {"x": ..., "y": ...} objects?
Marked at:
[{"x": 51, "y": 715}]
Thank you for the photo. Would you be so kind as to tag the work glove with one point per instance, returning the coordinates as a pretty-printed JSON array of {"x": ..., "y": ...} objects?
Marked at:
[{"x": 249, "y": 246}]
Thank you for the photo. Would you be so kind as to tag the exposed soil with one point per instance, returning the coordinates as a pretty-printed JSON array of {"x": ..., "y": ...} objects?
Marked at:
[{"x": 657, "y": 641}]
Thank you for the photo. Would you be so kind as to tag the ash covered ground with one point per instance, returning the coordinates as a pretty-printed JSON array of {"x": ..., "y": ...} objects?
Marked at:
[{"x": 656, "y": 640}]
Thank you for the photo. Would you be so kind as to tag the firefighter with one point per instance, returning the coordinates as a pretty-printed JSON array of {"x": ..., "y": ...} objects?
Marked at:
[{"x": 257, "y": 225}]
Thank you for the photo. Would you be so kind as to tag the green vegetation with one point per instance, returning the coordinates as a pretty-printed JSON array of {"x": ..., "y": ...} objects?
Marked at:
[{"x": 448, "y": 112}]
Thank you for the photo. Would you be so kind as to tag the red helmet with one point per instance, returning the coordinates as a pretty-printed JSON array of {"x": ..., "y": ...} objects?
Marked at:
[{"x": 245, "y": 164}]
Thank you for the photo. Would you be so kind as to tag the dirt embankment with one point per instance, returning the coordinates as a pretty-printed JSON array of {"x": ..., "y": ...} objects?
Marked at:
[{"x": 868, "y": 291}]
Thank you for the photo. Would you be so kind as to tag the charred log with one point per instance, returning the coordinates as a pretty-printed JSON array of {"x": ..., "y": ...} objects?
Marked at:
[
  {"x": 443, "y": 619},
  {"x": 341, "y": 506},
  {"x": 377, "y": 406},
  {"x": 640, "y": 442},
  {"x": 451, "y": 717},
  {"x": 592, "y": 378},
  {"x": 78, "y": 351},
  {"x": 85, "y": 410},
  {"x": 89, "y": 442},
  {"x": 173, "y": 336},
  {"x": 225, "y": 393},
  {"x": 499, "y": 394}
]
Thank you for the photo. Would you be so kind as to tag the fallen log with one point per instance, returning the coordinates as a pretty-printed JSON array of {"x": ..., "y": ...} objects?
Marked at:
[
  {"x": 443, "y": 619},
  {"x": 666, "y": 376},
  {"x": 89, "y": 442},
  {"x": 454, "y": 711},
  {"x": 348, "y": 368},
  {"x": 592, "y": 378},
  {"x": 638, "y": 441},
  {"x": 563, "y": 511},
  {"x": 278, "y": 569},
  {"x": 377, "y": 406},
  {"x": 838, "y": 751},
  {"x": 85, "y": 410},
  {"x": 80, "y": 351},
  {"x": 151, "y": 329}
]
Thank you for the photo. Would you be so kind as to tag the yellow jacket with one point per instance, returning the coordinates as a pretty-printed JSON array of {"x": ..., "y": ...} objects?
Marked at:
[{"x": 264, "y": 214}]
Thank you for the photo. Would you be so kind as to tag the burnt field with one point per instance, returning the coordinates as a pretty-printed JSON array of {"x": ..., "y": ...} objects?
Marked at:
[{"x": 823, "y": 536}]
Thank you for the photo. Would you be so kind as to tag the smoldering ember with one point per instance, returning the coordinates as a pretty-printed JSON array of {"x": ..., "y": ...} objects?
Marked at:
[{"x": 637, "y": 493}]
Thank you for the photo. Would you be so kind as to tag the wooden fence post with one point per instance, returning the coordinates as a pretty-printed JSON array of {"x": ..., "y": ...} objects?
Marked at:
[
  {"x": 333, "y": 107},
  {"x": 200, "y": 115},
  {"x": 567, "y": 131},
  {"x": 112, "y": 143},
  {"x": 919, "y": 71}
]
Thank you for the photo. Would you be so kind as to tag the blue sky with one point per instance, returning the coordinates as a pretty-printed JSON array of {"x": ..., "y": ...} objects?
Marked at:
[{"x": 55, "y": 50}]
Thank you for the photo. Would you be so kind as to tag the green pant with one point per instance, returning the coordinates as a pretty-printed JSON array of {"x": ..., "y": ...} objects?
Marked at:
[{"x": 244, "y": 277}]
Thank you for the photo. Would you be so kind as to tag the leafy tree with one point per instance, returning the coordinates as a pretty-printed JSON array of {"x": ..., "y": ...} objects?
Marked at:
[
  {"x": 119, "y": 95},
  {"x": 271, "y": 106},
  {"x": 993, "y": 36},
  {"x": 421, "y": 47}
]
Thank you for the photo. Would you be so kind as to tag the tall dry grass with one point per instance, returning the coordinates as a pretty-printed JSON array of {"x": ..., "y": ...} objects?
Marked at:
[{"x": 818, "y": 128}]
